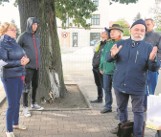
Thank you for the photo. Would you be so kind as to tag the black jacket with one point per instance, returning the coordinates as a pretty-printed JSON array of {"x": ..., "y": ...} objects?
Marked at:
[
  {"x": 30, "y": 42},
  {"x": 97, "y": 54}
]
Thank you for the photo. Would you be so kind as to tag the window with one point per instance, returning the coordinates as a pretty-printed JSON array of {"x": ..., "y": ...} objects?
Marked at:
[
  {"x": 75, "y": 39},
  {"x": 96, "y": 2},
  {"x": 94, "y": 38},
  {"x": 95, "y": 20}
]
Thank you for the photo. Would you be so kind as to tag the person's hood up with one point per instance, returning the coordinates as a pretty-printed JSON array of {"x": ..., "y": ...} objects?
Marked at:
[{"x": 30, "y": 21}]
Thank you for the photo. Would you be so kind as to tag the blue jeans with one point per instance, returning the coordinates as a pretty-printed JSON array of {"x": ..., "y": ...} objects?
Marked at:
[
  {"x": 152, "y": 79},
  {"x": 13, "y": 88},
  {"x": 137, "y": 108},
  {"x": 107, "y": 86}
]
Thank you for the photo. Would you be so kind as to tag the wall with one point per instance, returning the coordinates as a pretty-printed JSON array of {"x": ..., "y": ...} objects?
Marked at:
[{"x": 66, "y": 36}]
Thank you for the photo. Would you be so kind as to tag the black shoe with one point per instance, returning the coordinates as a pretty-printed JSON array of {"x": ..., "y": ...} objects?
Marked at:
[
  {"x": 96, "y": 101},
  {"x": 115, "y": 130},
  {"x": 106, "y": 111}
]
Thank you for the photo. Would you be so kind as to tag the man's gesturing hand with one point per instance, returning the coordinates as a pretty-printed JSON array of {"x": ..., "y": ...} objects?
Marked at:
[
  {"x": 114, "y": 50},
  {"x": 153, "y": 53}
]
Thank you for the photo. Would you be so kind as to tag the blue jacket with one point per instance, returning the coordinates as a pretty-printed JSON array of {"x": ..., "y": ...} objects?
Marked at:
[
  {"x": 132, "y": 63},
  {"x": 11, "y": 53}
]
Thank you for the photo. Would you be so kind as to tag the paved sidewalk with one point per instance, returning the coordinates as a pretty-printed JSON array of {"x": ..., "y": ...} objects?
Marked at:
[
  {"x": 2, "y": 93},
  {"x": 72, "y": 123}
]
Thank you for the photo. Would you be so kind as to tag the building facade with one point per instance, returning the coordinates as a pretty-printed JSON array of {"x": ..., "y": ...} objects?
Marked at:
[{"x": 76, "y": 37}]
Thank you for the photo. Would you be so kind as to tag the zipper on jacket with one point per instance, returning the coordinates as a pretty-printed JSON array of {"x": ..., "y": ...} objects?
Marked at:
[
  {"x": 36, "y": 51},
  {"x": 137, "y": 53}
]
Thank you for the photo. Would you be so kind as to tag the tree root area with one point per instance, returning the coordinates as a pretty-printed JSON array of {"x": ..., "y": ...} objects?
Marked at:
[{"x": 73, "y": 99}]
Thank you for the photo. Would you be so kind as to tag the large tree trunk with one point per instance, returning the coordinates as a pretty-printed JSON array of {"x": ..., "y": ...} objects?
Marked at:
[{"x": 51, "y": 82}]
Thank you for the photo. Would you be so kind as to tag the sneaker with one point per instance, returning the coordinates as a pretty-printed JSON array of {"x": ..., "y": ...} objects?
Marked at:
[
  {"x": 115, "y": 130},
  {"x": 105, "y": 110},
  {"x": 20, "y": 127},
  {"x": 26, "y": 112},
  {"x": 36, "y": 107},
  {"x": 10, "y": 134},
  {"x": 96, "y": 101}
]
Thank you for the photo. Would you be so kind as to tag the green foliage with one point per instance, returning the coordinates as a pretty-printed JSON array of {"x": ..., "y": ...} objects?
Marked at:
[
  {"x": 124, "y": 24},
  {"x": 74, "y": 12},
  {"x": 126, "y": 32},
  {"x": 2, "y": 1}
]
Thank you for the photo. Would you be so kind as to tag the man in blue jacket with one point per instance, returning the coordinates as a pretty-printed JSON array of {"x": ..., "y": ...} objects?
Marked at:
[
  {"x": 30, "y": 42},
  {"x": 133, "y": 58}
]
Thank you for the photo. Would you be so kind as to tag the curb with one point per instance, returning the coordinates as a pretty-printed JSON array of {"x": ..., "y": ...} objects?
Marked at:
[{"x": 82, "y": 90}]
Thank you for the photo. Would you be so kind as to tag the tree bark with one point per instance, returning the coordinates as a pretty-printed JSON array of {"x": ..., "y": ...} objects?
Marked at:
[{"x": 51, "y": 81}]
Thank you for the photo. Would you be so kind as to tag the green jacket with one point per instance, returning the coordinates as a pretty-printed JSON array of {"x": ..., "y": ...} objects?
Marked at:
[{"x": 107, "y": 67}]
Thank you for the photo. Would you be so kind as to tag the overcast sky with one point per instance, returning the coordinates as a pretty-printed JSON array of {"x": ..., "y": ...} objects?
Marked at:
[
  {"x": 116, "y": 11},
  {"x": 130, "y": 11},
  {"x": 8, "y": 12}
]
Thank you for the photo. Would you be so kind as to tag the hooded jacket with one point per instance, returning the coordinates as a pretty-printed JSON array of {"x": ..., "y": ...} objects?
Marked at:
[
  {"x": 30, "y": 42},
  {"x": 11, "y": 53},
  {"x": 132, "y": 63}
]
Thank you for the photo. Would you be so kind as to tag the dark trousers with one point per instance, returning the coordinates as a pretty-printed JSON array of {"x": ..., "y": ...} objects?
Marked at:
[
  {"x": 98, "y": 77},
  {"x": 31, "y": 83},
  {"x": 13, "y": 88},
  {"x": 137, "y": 108}
]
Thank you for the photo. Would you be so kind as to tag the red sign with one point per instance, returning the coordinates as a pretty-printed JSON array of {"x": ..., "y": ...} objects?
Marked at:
[{"x": 64, "y": 34}]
